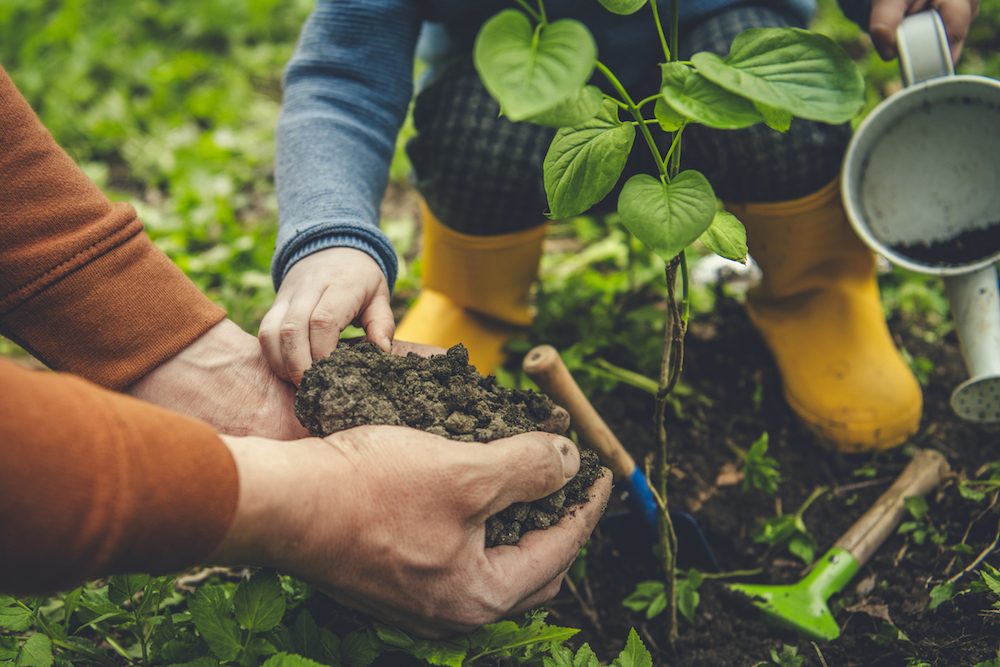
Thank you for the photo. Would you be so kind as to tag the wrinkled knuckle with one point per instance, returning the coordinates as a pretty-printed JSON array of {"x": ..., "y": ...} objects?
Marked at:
[
  {"x": 289, "y": 331},
  {"x": 322, "y": 320}
]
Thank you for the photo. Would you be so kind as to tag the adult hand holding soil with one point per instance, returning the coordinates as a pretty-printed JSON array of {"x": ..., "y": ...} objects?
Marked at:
[
  {"x": 320, "y": 296},
  {"x": 222, "y": 378},
  {"x": 886, "y": 16},
  {"x": 391, "y": 521}
]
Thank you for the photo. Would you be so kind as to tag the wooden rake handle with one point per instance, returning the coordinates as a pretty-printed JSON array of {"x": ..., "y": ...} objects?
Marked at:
[
  {"x": 546, "y": 368},
  {"x": 923, "y": 473}
]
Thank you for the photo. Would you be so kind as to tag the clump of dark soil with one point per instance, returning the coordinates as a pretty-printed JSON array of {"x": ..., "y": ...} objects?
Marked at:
[{"x": 361, "y": 385}]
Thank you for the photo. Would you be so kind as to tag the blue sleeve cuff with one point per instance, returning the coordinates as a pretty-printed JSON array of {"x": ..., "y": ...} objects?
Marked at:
[{"x": 366, "y": 238}]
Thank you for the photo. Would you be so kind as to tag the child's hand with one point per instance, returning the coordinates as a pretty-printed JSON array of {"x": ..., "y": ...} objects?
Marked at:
[{"x": 321, "y": 295}]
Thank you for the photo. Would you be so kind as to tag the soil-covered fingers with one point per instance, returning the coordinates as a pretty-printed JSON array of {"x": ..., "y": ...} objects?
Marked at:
[
  {"x": 538, "y": 562},
  {"x": 526, "y": 467}
]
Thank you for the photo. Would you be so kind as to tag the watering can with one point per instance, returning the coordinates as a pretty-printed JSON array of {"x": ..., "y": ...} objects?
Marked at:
[{"x": 921, "y": 186}]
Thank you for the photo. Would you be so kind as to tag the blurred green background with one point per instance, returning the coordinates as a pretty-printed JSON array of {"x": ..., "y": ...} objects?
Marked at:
[{"x": 171, "y": 105}]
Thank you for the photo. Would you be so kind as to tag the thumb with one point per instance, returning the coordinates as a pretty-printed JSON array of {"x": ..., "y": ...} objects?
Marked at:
[{"x": 527, "y": 467}]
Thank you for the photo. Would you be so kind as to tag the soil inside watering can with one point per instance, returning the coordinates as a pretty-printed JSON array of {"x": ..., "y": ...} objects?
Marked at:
[
  {"x": 966, "y": 248},
  {"x": 361, "y": 385}
]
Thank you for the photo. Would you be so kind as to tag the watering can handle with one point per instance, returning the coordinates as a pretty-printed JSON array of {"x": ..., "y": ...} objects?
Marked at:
[
  {"x": 924, "y": 472},
  {"x": 546, "y": 368},
  {"x": 924, "y": 52}
]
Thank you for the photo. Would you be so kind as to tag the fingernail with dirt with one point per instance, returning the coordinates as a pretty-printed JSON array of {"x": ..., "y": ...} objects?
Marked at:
[{"x": 567, "y": 449}]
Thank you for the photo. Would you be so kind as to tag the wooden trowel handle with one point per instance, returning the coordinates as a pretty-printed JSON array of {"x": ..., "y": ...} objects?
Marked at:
[
  {"x": 924, "y": 472},
  {"x": 546, "y": 368}
]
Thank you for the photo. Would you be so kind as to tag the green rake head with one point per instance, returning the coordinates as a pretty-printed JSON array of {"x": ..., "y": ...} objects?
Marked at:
[{"x": 802, "y": 607}]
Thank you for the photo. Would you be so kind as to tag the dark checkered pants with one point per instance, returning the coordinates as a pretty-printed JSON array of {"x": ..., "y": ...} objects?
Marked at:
[{"x": 482, "y": 174}]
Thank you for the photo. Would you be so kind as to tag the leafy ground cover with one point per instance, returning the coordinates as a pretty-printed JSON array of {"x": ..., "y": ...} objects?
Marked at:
[{"x": 172, "y": 106}]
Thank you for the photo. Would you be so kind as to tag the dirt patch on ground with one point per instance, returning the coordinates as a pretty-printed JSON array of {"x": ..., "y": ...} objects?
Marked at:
[
  {"x": 360, "y": 384},
  {"x": 738, "y": 397}
]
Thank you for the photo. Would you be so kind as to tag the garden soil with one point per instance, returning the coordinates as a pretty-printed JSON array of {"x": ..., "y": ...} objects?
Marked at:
[
  {"x": 737, "y": 398},
  {"x": 360, "y": 384}
]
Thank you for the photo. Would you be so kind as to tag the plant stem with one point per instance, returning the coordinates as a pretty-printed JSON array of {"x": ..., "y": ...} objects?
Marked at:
[
  {"x": 817, "y": 492},
  {"x": 659, "y": 28},
  {"x": 670, "y": 363},
  {"x": 540, "y": 17},
  {"x": 634, "y": 110}
]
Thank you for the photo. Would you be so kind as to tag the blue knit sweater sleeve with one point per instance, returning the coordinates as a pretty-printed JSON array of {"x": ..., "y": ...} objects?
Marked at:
[{"x": 346, "y": 92}]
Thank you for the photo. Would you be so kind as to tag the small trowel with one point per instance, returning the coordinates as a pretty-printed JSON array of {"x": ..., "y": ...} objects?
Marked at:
[
  {"x": 802, "y": 607},
  {"x": 546, "y": 368}
]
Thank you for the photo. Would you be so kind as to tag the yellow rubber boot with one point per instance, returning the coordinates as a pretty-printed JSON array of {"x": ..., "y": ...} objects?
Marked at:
[
  {"x": 476, "y": 291},
  {"x": 819, "y": 312}
]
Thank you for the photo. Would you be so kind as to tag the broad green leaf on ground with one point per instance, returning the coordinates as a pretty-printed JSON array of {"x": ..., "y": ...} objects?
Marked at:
[
  {"x": 726, "y": 237},
  {"x": 493, "y": 635},
  {"x": 15, "y": 618},
  {"x": 358, "y": 649},
  {"x": 446, "y": 652},
  {"x": 125, "y": 587},
  {"x": 634, "y": 654},
  {"x": 36, "y": 652},
  {"x": 623, "y": 6},
  {"x": 290, "y": 660},
  {"x": 258, "y": 602},
  {"x": 578, "y": 108},
  {"x": 9, "y": 646},
  {"x": 529, "y": 70},
  {"x": 942, "y": 593},
  {"x": 305, "y": 636},
  {"x": 96, "y": 600},
  {"x": 694, "y": 96},
  {"x": 668, "y": 117},
  {"x": 584, "y": 162},
  {"x": 776, "y": 119},
  {"x": 667, "y": 217},
  {"x": 585, "y": 657},
  {"x": 214, "y": 623},
  {"x": 796, "y": 71}
]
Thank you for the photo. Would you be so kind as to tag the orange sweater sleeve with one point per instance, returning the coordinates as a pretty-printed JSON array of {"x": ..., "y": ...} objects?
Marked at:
[
  {"x": 81, "y": 285},
  {"x": 93, "y": 482}
]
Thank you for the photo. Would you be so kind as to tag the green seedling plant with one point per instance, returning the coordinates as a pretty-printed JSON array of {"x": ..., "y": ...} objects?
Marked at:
[
  {"x": 650, "y": 597},
  {"x": 540, "y": 71},
  {"x": 787, "y": 657},
  {"x": 920, "y": 527},
  {"x": 789, "y": 531},
  {"x": 760, "y": 471}
]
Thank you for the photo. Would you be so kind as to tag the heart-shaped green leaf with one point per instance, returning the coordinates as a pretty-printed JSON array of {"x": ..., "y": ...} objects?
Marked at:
[
  {"x": 623, "y": 6},
  {"x": 577, "y": 109},
  {"x": 726, "y": 237},
  {"x": 667, "y": 217},
  {"x": 797, "y": 71},
  {"x": 529, "y": 70},
  {"x": 585, "y": 161},
  {"x": 699, "y": 99}
]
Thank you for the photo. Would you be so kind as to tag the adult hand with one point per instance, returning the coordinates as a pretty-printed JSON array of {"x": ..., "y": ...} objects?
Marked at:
[
  {"x": 391, "y": 521},
  {"x": 320, "y": 296},
  {"x": 886, "y": 16},
  {"x": 223, "y": 379}
]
